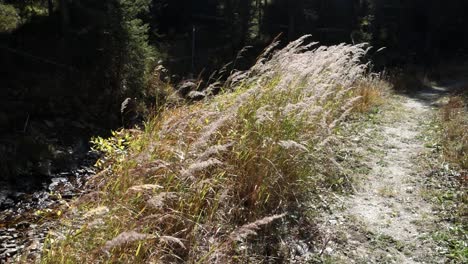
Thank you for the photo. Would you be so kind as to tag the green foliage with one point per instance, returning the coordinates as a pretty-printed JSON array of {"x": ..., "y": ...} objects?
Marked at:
[
  {"x": 455, "y": 239},
  {"x": 9, "y": 18},
  {"x": 30, "y": 11},
  {"x": 114, "y": 149},
  {"x": 452, "y": 203},
  {"x": 131, "y": 55}
]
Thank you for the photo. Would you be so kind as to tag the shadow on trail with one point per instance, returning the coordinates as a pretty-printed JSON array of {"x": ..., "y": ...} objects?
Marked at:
[{"x": 428, "y": 93}]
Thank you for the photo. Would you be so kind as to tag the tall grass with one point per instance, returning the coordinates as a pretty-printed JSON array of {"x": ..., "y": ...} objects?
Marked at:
[
  {"x": 203, "y": 179},
  {"x": 451, "y": 180},
  {"x": 454, "y": 136}
]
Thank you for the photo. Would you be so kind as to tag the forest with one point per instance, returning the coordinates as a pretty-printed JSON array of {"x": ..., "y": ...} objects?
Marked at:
[{"x": 219, "y": 131}]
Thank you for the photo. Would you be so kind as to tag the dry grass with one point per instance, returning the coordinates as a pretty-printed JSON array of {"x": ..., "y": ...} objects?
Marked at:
[
  {"x": 450, "y": 180},
  {"x": 211, "y": 174},
  {"x": 454, "y": 117},
  {"x": 372, "y": 92}
]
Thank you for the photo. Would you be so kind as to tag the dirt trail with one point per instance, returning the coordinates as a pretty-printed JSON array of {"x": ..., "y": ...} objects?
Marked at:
[{"x": 387, "y": 220}]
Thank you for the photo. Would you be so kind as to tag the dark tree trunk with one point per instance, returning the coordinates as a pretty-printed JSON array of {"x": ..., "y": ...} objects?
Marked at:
[
  {"x": 50, "y": 7},
  {"x": 244, "y": 15},
  {"x": 65, "y": 15},
  {"x": 259, "y": 16},
  {"x": 295, "y": 9},
  {"x": 434, "y": 18},
  {"x": 377, "y": 8}
]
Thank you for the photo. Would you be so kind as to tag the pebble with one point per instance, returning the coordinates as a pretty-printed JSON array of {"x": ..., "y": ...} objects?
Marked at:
[
  {"x": 12, "y": 250},
  {"x": 35, "y": 245},
  {"x": 27, "y": 236},
  {"x": 301, "y": 248}
]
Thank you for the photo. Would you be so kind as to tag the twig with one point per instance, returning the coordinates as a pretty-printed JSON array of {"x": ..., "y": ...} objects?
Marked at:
[
  {"x": 26, "y": 124},
  {"x": 327, "y": 240}
]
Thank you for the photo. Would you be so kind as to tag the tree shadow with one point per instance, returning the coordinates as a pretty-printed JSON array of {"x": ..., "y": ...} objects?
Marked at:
[{"x": 429, "y": 92}]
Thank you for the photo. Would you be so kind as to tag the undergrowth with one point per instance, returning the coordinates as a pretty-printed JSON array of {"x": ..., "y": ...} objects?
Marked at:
[
  {"x": 454, "y": 138},
  {"x": 201, "y": 180},
  {"x": 448, "y": 181}
]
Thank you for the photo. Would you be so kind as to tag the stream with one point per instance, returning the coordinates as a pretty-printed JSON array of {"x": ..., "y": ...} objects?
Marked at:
[
  {"x": 27, "y": 212},
  {"x": 31, "y": 198}
]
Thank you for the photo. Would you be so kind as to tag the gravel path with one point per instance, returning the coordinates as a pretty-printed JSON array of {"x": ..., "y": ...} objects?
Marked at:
[{"x": 386, "y": 220}]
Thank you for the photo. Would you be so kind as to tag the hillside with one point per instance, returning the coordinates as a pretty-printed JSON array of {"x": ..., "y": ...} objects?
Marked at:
[
  {"x": 304, "y": 158},
  {"x": 203, "y": 182},
  {"x": 233, "y": 131}
]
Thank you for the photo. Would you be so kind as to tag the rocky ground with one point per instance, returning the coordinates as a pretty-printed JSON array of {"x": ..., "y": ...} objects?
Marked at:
[
  {"x": 28, "y": 211},
  {"x": 44, "y": 162}
]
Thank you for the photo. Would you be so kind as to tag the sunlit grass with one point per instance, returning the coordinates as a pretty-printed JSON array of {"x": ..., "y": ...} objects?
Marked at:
[
  {"x": 203, "y": 178},
  {"x": 454, "y": 118}
]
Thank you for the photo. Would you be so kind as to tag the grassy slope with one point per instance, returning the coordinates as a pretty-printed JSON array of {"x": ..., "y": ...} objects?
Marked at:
[
  {"x": 447, "y": 182},
  {"x": 201, "y": 180}
]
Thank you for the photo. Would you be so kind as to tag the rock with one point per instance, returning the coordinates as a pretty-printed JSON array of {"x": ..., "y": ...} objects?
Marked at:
[
  {"x": 22, "y": 224},
  {"x": 31, "y": 197},
  {"x": 301, "y": 248},
  {"x": 10, "y": 246},
  {"x": 11, "y": 250},
  {"x": 186, "y": 86},
  {"x": 196, "y": 95},
  {"x": 35, "y": 245},
  {"x": 56, "y": 182}
]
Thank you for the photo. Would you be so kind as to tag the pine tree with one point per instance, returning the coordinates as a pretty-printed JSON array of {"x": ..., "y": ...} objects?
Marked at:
[{"x": 130, "y": 53}]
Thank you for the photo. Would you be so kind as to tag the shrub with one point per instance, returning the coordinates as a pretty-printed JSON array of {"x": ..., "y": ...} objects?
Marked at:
[
  {"x": 9, "y": 18},
  {"x": 371, "y": 91}
]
